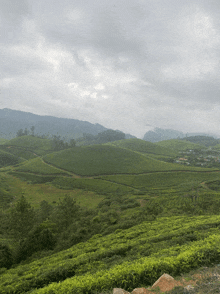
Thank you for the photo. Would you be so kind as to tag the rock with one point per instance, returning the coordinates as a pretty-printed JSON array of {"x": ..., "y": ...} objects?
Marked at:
[
  {"x": 119, "y": 291},
  {"x": 188, "y": 289},
  {"x": 140, "y": 291},
  {"x": 165, "y": 283}
]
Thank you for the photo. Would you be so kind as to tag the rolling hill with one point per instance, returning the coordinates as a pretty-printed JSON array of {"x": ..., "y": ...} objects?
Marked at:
[
  {"x": 143, "y": 147},
  {"x": 179, "y": 145},
  {"x": 105, "y": 159}
]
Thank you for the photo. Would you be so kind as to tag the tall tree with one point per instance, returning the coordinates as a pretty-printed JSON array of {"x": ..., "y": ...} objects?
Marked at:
[{"x": 21, "y": 218}]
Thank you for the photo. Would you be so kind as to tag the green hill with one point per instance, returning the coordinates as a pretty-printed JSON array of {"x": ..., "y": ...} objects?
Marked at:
[
  {"x": 143, "y": 147},
  {"x": 7, "y": 159},
  {"x": 179, "y": 145},
  {"x": 38, "y": 145},
  {"x": 106, "y": 159},
  {"x": 202, "y": 140},
  {"x": 3, "y": 141},
  {"x": 125, "y": 259},
  {"x": 37, "y": 166}
]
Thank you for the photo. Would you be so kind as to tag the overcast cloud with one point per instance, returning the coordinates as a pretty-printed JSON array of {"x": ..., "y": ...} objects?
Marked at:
[{"x": 130, "y": 65}]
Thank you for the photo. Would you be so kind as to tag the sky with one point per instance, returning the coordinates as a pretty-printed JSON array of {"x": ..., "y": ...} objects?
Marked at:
[{"x": 130, "y": 65}]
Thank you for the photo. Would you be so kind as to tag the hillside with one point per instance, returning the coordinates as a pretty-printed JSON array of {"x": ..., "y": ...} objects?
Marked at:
[
  {"x": 12, "y": 120},
  {"x": 126, "y": 258},
  {"x": 179, "y": 145},
  {"x": 202, "y": 140},
  {"x": 143, "y": 147},
  {"x": 106, "y": 159},
  {"x": 30, "y": 143}
]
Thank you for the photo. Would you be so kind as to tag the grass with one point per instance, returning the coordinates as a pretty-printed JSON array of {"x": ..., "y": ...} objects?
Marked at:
[
  {"x": 39, "y": 167},
  {"x": 128, "y": 256},
  {"x": 179, "y": 145},
  {"x": 143, "y": 147},
  {"x": 37, "y": 192},
  {"x": 169, "y": 182},
  {"x": 106, "y": 159},
  {"x": 37, "y": 145}
]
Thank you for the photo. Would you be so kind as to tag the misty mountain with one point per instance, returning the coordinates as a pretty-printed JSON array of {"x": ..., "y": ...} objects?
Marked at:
[
  {"x": 159, "y": 134},
  {"x": 13, "y": 120},
  {"x": 162, "y": 134}
]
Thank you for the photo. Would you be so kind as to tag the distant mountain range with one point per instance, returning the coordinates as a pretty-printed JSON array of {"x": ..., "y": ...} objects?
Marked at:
[
  {"x": 13, "y": 120},
  {"x": 166, "y": 134}
]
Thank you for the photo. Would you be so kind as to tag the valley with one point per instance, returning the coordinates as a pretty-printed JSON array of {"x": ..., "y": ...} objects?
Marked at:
[{"x": 90, "y": 218}]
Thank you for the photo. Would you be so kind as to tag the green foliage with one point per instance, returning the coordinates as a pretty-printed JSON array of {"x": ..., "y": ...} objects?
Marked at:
[
  {"x": 31, "y": 178},
  {"x": 66, "y": 211},
  {"x": 21, "y": 218},
  {"x": 7, "y": 159},
  {"x": 6, "y": 258},
  {"x": 202, "y": 140},
  {"x": 35, "y": 144},
  {"x": 179, "y": 145},
  {"x": 38, "y": 166},
  {"x": 143, "y": 147},
  {"x": 105, "y": 159},
  {"x": 124, "y": 259}
]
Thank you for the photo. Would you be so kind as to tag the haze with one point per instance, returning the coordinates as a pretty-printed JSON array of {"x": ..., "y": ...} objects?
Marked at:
[{"x": 130, "y": 65}]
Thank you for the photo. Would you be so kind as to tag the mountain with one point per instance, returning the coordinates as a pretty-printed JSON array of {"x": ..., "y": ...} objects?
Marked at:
[
  {"x": 162, "y": 134},
  {"x": 13, "y": 120},
  {"x": 166, "y": 134}
]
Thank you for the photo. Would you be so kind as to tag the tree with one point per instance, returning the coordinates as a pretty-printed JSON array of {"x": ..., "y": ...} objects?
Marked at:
[
  {"x": 21, "y": 218},
  {"x": 32, "y": 130},
  {"x": 6, "y": 259},
  {"x": 20, "y": 133},
  {"x": 72, "y": 143},
  {"x": 67, "y": 210}
]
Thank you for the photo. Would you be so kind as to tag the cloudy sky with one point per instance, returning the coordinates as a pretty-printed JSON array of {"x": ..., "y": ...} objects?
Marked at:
[{"x": 130, "y": 65}]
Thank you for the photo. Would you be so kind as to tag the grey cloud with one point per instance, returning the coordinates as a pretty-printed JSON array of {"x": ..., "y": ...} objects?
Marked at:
[{"x": 125, "y": 64}]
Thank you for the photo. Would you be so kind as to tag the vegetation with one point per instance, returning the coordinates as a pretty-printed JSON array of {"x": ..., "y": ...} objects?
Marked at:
[
  {"x": 143, "y": 147},
  {"x": 88, "y": 219},
  {"x": 179, "y": 145}
]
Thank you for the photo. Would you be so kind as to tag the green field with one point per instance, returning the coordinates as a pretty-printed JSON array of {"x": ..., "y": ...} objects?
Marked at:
[
  {"x": 105, "y": 159},
  {"x": 143, "y": 147},
  {"x": 179, "y": 145},
  {"x": 39, "y": 167},
  {"x": 114, "y": 215},
  {"x": 126, "y": 258},
  {"x": 37, "y": 145}
]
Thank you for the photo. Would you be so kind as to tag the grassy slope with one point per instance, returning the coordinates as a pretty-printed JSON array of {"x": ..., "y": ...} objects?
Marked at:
[
  {"x": 105, "y": 159},
  {"x": 38, "y": 166},
  {"x": 121, "y": 253},
  {"x": 143, "y": 147},
  {"x": 7, "y": 159},
  {"x": 3, "y": 141},
  {"x": 38, "y": 145},
  {"x": 179, "y": 145}
]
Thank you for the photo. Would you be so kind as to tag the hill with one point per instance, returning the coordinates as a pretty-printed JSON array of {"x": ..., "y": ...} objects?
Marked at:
[
  {"x": 106, "y": 159},
  {"x": 143, "y": 147},
  {"x": 12, "y": 120},
  {"x": 7, "y": 159},
  {"x": 37, "y": 145},
  {"x": 179, "y": 145},
  {"x": 202, "y": 140},
  {"x": 126, "y": 258}
]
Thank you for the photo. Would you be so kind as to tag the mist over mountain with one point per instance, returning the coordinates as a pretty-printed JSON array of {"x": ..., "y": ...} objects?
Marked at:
[
  {"x": 159, "y": 134},
  {"x": 12, "y": 120}
]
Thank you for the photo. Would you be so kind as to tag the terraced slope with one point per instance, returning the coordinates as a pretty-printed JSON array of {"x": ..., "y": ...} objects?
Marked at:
[
  {"x": 143, "y": 147},
  {"x": 126, "y": 258},
  {"x": 106, "y": 159},
  {"x": 39, "y": 167},
  {"x": 7, "y": 159},
  {"x": 179, "y": 145},
  {"x": 37, "y": 145}
]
